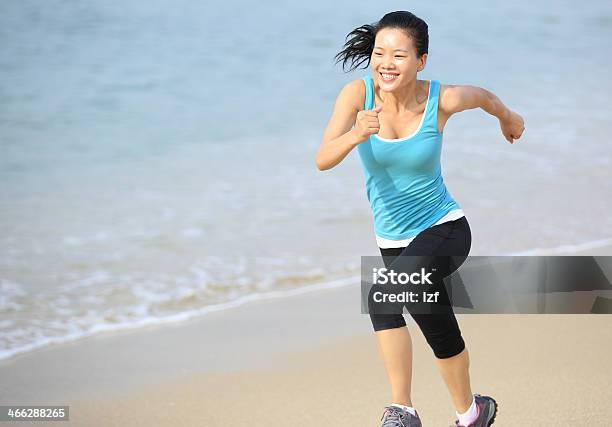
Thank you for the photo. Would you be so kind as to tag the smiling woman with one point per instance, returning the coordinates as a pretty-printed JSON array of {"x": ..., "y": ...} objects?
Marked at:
[{"x": 396, "y": 122}]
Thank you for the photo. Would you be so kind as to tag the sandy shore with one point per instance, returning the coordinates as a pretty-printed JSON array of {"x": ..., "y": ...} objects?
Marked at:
[{"x": 312, "y": 360}]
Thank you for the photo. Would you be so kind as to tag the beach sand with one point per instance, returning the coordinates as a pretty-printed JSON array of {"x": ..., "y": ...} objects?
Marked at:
[{"x": 312, "y": 360}]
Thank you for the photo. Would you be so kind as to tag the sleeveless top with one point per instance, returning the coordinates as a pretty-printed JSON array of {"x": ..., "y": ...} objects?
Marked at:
[{"x": 403, "y": 177}]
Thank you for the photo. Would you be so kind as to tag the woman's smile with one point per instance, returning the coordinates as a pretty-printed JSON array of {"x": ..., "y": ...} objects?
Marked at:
[{"x": 388, "y": 77}]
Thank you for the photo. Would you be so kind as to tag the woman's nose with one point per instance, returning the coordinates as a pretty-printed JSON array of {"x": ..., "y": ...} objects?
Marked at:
[{"x": 387, "y": 66}]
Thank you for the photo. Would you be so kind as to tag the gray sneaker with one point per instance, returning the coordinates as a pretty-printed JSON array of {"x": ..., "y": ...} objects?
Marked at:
[
  {"x": 487, "y": 410},
  {"x": 398, "y": 417}
]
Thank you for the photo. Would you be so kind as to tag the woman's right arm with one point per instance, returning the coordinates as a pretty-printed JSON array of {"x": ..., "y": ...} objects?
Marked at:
[{"x": 347, "y": 127}]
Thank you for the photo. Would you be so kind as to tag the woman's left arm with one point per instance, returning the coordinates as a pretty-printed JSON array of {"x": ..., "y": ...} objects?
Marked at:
[{"x": 457, "y": 98}]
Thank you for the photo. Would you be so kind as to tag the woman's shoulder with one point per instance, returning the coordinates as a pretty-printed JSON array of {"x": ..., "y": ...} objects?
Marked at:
[
  {"x": 354, "y": 92},
  {"x": 357, "y": 86},
  {"x": 446, "y": 94},
  {"x": 443, "y": 87}
]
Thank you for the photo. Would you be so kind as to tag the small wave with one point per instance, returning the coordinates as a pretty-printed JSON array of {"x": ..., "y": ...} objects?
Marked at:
[{"x": 177, "y": 317}]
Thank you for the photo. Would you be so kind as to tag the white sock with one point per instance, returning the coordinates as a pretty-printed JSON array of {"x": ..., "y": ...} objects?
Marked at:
[
  {"x": 470, "y": 415},
  {"x": 407, "y": 408}
]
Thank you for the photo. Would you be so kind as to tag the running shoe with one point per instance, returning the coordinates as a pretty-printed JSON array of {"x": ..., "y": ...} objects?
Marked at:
[
  {"x": 487, "y": 410},
  {"x": 398, "y": 417}
]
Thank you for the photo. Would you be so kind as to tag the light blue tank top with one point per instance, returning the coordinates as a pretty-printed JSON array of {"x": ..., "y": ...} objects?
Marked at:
[{"x": 403, "y": 177}]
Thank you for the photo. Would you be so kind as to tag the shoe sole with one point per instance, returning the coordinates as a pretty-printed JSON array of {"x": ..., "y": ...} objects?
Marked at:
[{"x": 495, "y": 405}]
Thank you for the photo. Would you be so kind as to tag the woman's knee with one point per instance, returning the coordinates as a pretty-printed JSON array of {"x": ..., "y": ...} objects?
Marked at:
[
  {"x": 449, "y": 346},
  {"x": 442, "y": 333}
]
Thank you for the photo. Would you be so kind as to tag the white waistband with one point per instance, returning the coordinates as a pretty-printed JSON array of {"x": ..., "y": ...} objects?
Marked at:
[{"x": 386, "y": 243}]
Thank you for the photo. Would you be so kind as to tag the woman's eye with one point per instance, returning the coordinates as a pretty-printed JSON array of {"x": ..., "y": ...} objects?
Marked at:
[{"x": 396, "y": 56}]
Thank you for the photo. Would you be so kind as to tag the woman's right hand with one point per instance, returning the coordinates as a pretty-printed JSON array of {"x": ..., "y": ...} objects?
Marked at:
[
  {"x": 366, "y": 123},
  {"x": 348, "y": 126}
]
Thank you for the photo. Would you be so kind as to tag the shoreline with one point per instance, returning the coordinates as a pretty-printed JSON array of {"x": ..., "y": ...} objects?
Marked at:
[
  {"x": 211, "y": 343},
  {"x": 591, "y": 248}
]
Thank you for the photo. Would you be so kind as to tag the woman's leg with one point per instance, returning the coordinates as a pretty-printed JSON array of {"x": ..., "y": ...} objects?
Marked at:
[
  {"x": 442, "y": 330},
  {"x": 451, "y": 239},
  {"x": 455, "y": 373},
  {"x": 395, "y": 345}
]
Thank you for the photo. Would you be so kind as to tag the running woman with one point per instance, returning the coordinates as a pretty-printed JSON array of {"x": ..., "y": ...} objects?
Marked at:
[{"x": 397, "y": 123}]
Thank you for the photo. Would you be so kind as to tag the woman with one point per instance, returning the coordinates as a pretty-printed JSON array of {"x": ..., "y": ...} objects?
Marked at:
[{"x": 397, "y": 121}]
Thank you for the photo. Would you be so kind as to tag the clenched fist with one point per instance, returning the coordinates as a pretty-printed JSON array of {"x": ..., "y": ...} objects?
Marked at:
[
  {"x": 512, "y": 127},
  {"x": 366, "y": 123}
]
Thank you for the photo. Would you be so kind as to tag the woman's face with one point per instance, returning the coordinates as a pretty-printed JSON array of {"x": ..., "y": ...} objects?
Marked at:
[{"x": 395, "y": 56}]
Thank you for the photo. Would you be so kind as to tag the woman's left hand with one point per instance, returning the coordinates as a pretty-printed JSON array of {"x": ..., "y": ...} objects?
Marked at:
[{"x": 512, "y": 126}]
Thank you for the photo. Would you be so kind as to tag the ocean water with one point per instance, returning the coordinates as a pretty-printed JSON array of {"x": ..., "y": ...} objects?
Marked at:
[{"x": 158, "y": 157}]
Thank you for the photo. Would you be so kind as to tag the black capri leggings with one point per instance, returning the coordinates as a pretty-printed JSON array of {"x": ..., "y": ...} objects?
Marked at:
[{"x": 446, "y": 240}]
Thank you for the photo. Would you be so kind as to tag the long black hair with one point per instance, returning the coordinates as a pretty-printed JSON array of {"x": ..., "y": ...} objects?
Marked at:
[{"x": 360, "y": 44}]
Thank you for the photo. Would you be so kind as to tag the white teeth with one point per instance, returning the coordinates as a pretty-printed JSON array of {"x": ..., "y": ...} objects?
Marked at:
[{"x": 388, "y": 76}]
